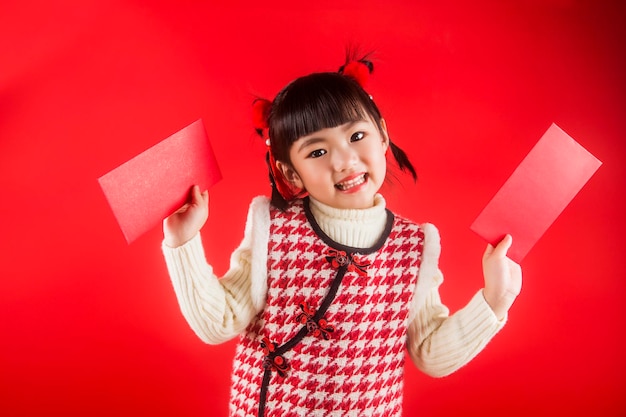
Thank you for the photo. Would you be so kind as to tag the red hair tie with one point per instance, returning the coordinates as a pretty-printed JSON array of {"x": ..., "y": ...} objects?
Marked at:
[
  {"x": 357, "y": 70},
  {"x": 260, "y": 114}
]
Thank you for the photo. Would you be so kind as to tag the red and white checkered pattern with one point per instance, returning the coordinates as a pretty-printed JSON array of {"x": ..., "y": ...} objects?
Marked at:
[{"x": 359, "y": 370}]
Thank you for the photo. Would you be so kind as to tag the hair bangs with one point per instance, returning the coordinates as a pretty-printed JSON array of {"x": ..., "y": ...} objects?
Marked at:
[
  {"x": 313, "y": 103},
  {"x": 326, "y": 109}
]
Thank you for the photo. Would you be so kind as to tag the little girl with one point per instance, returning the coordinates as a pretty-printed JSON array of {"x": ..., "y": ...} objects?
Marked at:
[{"x": 328, "y": 286}]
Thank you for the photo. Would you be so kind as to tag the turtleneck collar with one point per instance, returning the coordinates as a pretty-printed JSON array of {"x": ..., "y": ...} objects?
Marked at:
[{"x": 360, "y": 228}]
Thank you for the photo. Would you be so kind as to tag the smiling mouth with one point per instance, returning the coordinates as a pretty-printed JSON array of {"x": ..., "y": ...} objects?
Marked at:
[{"x": 345, "y": 186}]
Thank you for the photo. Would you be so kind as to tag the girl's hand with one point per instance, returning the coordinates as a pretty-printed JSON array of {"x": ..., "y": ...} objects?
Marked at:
[
  {"x": 503, "y": 277},
  {"x": 187, "y": 221}
]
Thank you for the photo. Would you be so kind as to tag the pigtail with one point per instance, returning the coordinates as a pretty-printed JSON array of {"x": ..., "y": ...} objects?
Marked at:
[
  {"x": 402, "y": 160},
  {"x": 282, "y": 191}
]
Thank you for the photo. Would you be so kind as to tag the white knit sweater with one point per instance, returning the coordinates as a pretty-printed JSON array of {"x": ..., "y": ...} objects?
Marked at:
[{"x": 220, "y": 308}]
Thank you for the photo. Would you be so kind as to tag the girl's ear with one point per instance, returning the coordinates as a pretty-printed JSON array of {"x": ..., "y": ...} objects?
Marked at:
[
  {"x": 290, "y": 174},
  {"x": 384, "y": 133}
]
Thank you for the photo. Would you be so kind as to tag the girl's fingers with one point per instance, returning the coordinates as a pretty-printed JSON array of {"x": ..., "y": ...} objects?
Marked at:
[
  {"x": 501, "y": 249},
  {"x": 504, "y": 245},
  {"x": 195, "y": 194},
  {"x": 198, "y": 197}
]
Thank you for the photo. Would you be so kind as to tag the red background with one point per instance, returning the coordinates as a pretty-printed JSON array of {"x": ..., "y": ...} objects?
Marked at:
[{"x": 90, "y": 325}]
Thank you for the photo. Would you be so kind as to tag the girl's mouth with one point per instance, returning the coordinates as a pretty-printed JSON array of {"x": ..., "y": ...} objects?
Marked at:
[{"x": 354, "y": 182}]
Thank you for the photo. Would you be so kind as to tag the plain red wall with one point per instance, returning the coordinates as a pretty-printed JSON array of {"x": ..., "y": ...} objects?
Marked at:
[{"x": 90, "y": 326}]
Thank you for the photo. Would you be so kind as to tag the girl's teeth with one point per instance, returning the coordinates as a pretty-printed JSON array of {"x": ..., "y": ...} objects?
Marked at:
[{"x": 352, "y": 183}]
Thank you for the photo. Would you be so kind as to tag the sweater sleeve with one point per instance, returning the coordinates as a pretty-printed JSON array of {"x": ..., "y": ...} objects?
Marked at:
[
  {"x": 220, "y": 308},
  {"x": 439, "y": 343}
]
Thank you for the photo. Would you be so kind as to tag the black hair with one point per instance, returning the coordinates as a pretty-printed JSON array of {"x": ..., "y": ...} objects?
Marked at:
[{"x": 315, "y": 102}]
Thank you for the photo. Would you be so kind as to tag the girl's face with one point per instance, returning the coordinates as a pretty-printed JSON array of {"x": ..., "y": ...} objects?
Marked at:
[{"x": 342, "y": 167}]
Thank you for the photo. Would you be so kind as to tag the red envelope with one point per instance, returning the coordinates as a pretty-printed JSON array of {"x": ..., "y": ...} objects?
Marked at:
[
  {"x": 537, "y": 192},
  {"x": 154, "y": 184}
]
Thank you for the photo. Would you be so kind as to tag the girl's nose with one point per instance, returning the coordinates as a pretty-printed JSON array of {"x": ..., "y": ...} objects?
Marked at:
[{"x": 344, "y": 158}]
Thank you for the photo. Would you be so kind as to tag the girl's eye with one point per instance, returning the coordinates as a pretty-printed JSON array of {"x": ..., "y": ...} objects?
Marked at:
[
  {"x": 357, "y": 136},
  {"x": 317, "y": 153}
]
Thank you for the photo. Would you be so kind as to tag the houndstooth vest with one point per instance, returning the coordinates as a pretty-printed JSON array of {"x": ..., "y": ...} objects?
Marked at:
[{"x": 330, "y": 340}]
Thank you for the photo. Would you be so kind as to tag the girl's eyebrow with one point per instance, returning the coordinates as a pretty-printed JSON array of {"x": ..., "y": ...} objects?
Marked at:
[
  {"x": 308, "y": 142},
  {"x": 315, "y": 139}
]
